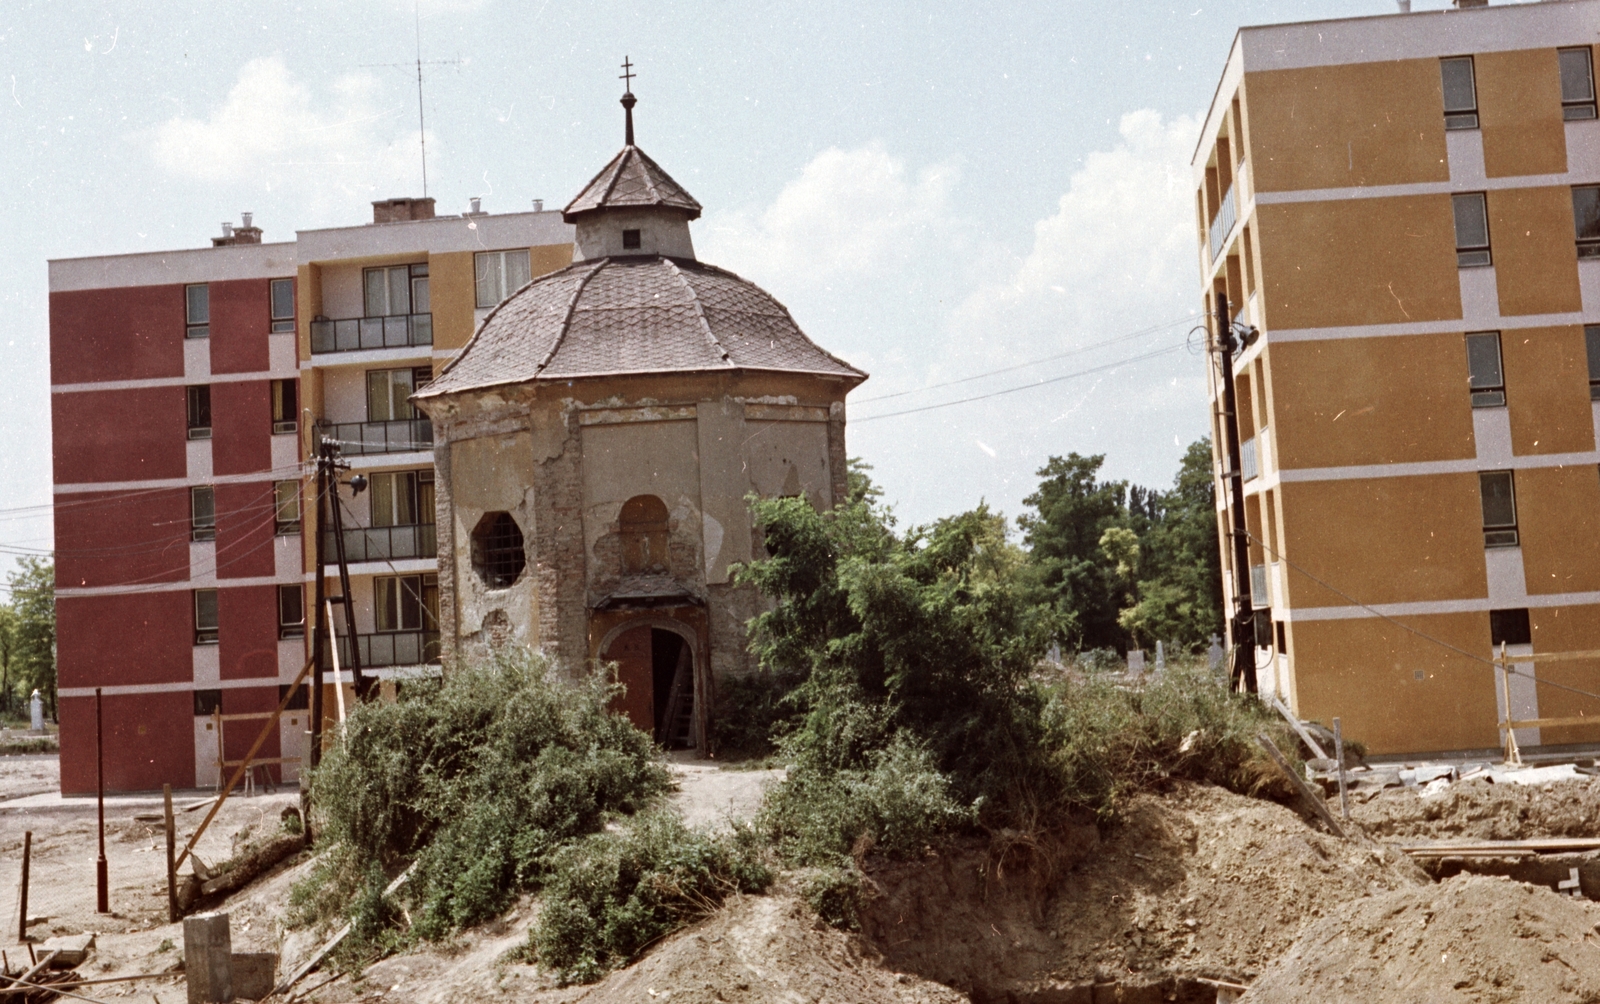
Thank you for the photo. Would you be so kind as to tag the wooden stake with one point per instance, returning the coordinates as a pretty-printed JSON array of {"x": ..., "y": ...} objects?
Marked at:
[
  {"x": 1300, "y": 730},
  {"x": 1306, "y": 794},
  {"x": 1513, "y": 754},
  {"x": 27, "y": 857},
  {"x": 172, "y": 868},
  {"x": 1338, "y": 754}
]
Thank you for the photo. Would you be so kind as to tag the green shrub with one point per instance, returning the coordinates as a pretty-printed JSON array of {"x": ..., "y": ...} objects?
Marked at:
[
  {"x": 753, "y": 714},
  {"x": 610, "y": 895},
  {"x": 479, "y": 777}
]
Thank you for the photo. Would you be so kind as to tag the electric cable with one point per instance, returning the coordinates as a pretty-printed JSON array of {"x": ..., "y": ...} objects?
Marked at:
[
  {"x": 1168, "y": 350},
  {"x": 1036, "y": 362}
]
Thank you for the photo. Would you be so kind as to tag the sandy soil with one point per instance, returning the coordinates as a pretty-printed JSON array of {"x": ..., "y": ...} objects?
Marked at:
[{"x": 1479, "y": 810}]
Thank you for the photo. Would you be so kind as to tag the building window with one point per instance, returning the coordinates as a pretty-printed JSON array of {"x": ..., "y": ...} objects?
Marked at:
[
  {"x": 207, "y": 703},
  {"x": 205, "y": 616},
  {"x": 1460, "y": 94},
  {"x": 1487, "y": 378},
  {"x": 291, "y": 612},
  {"x": 1510, "y": 627},
  {"x": 1472, "y": 229},
  {"x": 1591, "y": 338},
  {"x": 286, "y": 508},
  {"x": 301, "y": 701},
  {"x": 197, "y": 311},
  {"x": 497, "y": 553},
  {"x": 282, "y": 305},
  {"x": 1283, "y": 639},
  {"x": 402, "y": 498},
  {"x": 1577, "y": 83},
  {"x": 500, "y": 273},
  {"x": 406, "y": 602},
  {"x": 1586, "y": 220},
  {"x": 285, "y": 406},
  {"x": 199, "y": 411},
  {"x": 202, "y": 513},
  {"x": 1499, "y": 509},
  {"x": 402, "y": 289},
  {"x": 389, "y": 392},
  {"x": 630, "y": 240}
]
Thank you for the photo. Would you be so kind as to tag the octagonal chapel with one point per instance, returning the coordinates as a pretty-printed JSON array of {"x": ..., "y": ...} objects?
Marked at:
[{"x": 595, "y": 443}]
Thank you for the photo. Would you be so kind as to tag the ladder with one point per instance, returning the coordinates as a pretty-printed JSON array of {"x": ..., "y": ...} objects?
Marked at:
[{"x": 677, "y": 725}]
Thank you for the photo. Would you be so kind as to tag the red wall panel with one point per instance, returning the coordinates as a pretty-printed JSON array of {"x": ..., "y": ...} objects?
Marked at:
[
  {"x": 133, "y": 333},
  {"x": 240, "y": 321},
  {"x": 148, "y": 741},
  {"x": 120, "y": 435},
  {"x": 114, "y": 538},
  {"x": 244, "y": 530},
  {"x": 248, "y": 617},
  {"x": 241, "y": 427},
  {"x": 139, "y": 638},
  {"x": 238, "y": 737}
]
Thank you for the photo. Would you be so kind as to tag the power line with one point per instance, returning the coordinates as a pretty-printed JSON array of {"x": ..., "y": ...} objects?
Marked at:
[
  {"x": 1168, "y": 350},
  {"x": 1036, "y": 362}
]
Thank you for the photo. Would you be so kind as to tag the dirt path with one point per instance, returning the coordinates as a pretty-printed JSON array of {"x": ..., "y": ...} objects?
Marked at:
[{"x": 712, "y": 795}]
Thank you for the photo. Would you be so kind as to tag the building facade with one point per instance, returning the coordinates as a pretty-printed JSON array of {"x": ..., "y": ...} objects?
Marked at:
[
  {"x": 597, "y": 441},
  {"x": 1406, "y": 210},
  {"x": 188, "y": 391}
]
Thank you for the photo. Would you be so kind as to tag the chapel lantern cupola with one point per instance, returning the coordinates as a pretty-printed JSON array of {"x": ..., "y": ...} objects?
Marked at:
[{"x": 632, "y": 207}]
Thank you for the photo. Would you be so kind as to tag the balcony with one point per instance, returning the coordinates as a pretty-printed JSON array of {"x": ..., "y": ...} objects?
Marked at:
[
  {"x": 382, "y": 543},
  {"x": 1249, "y": 465},
  {"x": 358, "y": 333},
  {"x": 360, "y": 439},
  {"x": 392, "y": 648},
  {"x": 1221, "y": 226}
]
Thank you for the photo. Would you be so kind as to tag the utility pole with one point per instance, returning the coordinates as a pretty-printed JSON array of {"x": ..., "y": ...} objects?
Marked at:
[
  {"x": 1244, "y": 628},
  {"x": 319, "y": 633},
  {"x": 330, "y": 457}
]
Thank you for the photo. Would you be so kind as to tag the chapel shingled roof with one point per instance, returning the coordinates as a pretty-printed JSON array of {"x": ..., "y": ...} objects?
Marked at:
[
  {"x": 632, "y": 180},
  {"x": 634, "y": 314}
]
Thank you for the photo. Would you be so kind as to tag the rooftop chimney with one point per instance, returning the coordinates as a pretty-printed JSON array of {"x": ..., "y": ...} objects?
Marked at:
[
  {"x": 402, "y": 210},
  {"x": 1405, "y": 6},
  {"x": 1464, "y": 4},
  {"x": 246, "y": 233},
  {"x": 477, "y": 206},
  {"x": 538, "y": 205}
]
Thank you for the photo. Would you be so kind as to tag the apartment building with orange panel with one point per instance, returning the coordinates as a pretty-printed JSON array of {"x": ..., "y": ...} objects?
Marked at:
[{"x": 1406, "y": 211}]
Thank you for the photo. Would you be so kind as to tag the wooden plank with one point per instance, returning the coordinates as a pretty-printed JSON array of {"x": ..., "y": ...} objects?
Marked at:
[
  {"x": 249, "y": 716},
  {"x": 1548, "y": 657},
  {"x": 338, "y": 936},
  {"x": 1306, "y": 794},
  {"x": 1534, "y": 723},
  {"x": 1300, "y": 730},
  {"x": 261, "y": 760},
  {"x": 1537, "y": 845}
]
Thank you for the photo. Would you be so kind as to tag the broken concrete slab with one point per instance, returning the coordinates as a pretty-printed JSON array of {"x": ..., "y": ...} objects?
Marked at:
[{"x": 71, "y": 950}]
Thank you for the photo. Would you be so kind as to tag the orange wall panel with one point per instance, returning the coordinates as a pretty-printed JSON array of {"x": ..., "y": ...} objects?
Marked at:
[
  {"x": 1535, "y": 258},
  {"x": 1568, "y": 629},
  {"x": 1558, "y": 520},
  {"x": 1373, "y": 123},
  {"x": 1519, "y": 112},
  {"x": 1366, "y": 670},
  {"x": 1547, "y": 390},
  {"x": 1350, "y": 401},
  {"x": 1359, "y": 261},
  {"x": 1428, "y": 531}
]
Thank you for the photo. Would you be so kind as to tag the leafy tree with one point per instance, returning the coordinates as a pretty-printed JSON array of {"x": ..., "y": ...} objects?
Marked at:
[
  {"x": 31, "y": 659},
  {"x": 1180, "y": 582},
  {"x": 8, "y": 644}
]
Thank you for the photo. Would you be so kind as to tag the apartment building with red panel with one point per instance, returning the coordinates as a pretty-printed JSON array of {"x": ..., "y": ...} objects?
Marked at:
[{"x": 188, "y": 389}]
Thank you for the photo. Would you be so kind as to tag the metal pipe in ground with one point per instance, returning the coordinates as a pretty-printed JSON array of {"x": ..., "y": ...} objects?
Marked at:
[
  {"x": 172, "y": 846},
  {"x": 102, "y": 882},
  {"x": 22, "y": 911}
]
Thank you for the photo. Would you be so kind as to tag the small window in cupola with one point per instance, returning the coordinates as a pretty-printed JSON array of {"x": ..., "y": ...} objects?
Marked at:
[{"x": 630, "y": 240}]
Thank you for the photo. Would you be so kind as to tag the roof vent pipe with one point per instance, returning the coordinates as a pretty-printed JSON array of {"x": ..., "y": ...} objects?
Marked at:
[
  {"x": 538, "y": 205},
  {"x": 1405, "y": 6},
  {"x": 227, "y": 229},
  {"x": 245, "y": 220},
  {"x": 477, "y": 205}
]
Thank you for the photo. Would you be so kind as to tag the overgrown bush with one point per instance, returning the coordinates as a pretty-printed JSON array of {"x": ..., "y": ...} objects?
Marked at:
[
  {"x": 753, "y": 714},
  {"x": 480, "y": 778},
  {"x": 610, "y": 895}
]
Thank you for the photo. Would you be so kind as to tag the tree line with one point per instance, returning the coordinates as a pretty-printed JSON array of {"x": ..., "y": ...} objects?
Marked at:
[{"x": 28, "y": 637}]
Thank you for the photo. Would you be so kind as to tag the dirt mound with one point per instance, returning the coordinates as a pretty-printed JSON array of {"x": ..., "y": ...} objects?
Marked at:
[
  {"x": 1196, "y": 882},
  {"x": 1477, "y": 939},
  {"x": 1479, "y": 810}
]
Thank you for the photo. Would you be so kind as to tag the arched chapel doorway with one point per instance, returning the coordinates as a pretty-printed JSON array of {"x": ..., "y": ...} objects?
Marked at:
[{"x": 655, "y": 661}]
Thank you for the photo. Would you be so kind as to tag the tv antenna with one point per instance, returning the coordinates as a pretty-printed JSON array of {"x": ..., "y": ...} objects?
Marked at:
[{"x": 419, "y": 63}]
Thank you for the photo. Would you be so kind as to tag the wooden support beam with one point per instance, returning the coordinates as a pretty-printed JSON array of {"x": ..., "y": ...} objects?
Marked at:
[{"x": 1314, "y": 803}]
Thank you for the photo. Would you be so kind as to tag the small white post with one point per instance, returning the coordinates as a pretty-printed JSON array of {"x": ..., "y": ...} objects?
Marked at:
[{"x": 36, "y": 712}]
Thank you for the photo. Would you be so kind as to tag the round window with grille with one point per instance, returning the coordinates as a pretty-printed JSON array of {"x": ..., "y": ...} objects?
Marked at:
[{"x": 497, "y": 553}]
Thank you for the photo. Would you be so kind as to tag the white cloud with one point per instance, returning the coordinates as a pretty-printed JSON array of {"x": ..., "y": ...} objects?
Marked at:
[
  {"x": 272, "y": 130},
  {"x": 853, "y": 213}
]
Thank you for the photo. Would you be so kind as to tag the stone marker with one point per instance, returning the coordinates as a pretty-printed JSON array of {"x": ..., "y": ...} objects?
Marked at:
[
  {"x": 208, "y": 958},
  {"x": 1136, "y": 661}
]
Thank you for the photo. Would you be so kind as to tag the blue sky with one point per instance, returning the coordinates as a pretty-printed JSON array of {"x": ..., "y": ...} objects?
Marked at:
[{"x": 934, "y": 190}]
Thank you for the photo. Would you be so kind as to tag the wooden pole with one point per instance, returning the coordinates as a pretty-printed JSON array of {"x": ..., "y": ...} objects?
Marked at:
[
  {"x": 1338, "y": 754},
  {"x": 102, "y": 881},
  {"x": 27, "y": 857},
  {"x": 172, "y": 867},
  {"x": 1513, "y": 754},
  {"x": 338, "y": 684}
]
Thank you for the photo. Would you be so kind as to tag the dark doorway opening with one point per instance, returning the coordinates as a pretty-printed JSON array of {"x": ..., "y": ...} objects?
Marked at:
[{"x": 672, "y": 673}]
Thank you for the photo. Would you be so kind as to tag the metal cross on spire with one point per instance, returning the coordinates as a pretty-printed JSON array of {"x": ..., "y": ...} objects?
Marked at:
[{"x": 628, "y": 100}]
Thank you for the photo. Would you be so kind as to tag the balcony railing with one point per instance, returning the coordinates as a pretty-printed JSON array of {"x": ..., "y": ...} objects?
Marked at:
[
  {"x": 1249, "y": 464},
  {"x": 1221, "y": 227},
  {"x": 392, "y": 648},
  {"x": 382, "y": 543},
  {"x": 358, "y": 439},
  {"x": 357, "y": 333}
]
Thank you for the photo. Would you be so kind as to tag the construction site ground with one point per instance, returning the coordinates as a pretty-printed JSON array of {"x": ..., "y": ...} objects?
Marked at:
[{"x": 1190, "y": 885}]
